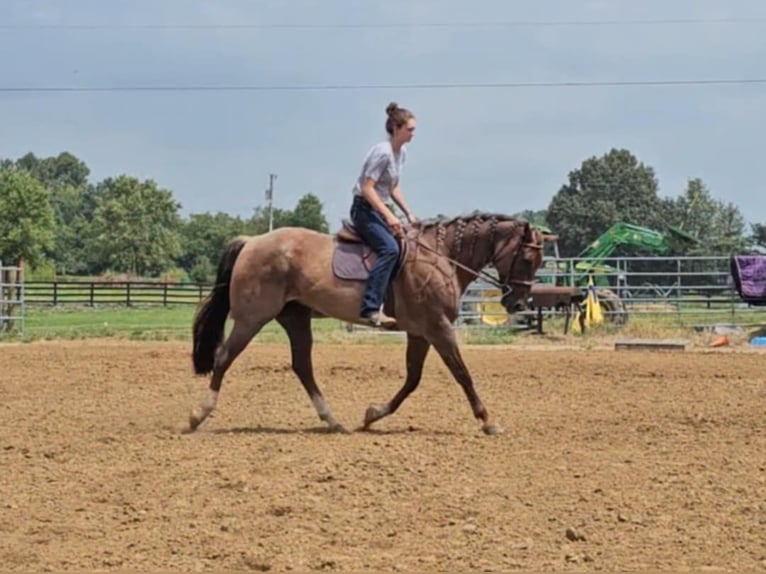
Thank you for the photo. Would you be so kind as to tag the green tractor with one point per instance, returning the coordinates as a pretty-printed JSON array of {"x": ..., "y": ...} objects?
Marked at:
[{"x": 591, "y": 266}]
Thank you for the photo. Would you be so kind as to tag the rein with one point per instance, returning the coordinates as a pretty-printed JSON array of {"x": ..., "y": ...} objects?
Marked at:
[
  {"x": 504, "y": 289},
  {"x": 486, "y": 276}
]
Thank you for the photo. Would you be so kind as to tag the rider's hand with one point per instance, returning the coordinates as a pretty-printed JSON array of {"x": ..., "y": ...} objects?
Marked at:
[
  {"x": 411, "y": 217},
  {"x": 395, "y": 224}
]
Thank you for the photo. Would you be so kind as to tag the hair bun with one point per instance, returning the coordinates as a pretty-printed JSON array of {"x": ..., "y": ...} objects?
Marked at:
[{"x": 391, "y": 108}]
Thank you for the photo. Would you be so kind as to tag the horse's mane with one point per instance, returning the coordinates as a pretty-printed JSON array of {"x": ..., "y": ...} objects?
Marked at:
[{"x": 443, "y": 220}]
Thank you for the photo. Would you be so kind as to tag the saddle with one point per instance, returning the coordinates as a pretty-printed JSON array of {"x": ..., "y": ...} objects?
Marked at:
[
  {"x": 348, "y": 232},
  {"x": 352, "y": 258}
]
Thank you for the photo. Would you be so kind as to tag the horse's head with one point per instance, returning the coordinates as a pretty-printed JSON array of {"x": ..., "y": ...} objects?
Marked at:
[{"x": 517, "y": 256}]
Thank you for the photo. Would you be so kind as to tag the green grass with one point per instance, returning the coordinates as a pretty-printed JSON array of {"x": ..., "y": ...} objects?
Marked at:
[{"x": 157, "y": 322}]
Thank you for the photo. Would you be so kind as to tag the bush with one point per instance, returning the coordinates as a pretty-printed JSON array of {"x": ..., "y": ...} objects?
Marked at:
[
  {"x": 203, "y": 271},
  {"x": 175, "y": 275}
]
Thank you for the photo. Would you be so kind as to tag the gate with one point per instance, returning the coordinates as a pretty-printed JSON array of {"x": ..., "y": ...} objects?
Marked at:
[{"x": 11, "y": 300}]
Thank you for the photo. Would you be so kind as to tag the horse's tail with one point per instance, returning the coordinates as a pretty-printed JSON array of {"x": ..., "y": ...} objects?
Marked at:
[{"x": 210, "y": 319}]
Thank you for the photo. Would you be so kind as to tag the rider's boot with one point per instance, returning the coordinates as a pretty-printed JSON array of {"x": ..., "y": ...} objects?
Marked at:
[{"x": 379, "y": 319}]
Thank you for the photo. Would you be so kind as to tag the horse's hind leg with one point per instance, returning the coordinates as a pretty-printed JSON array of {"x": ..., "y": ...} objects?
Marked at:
[
  {"x": 417, "y": 349},
  {"x": 296, "y": 320},
  {"x": 241, "y": 334}
]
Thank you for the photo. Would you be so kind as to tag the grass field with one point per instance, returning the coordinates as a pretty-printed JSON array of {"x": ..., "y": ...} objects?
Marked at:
[{"x": 157, "y": 322}]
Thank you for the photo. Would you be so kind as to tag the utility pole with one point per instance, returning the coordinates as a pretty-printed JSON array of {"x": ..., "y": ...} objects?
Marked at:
[{"x": 270, "y": 199}]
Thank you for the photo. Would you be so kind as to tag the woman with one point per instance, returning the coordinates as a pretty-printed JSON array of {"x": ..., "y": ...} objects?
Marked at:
[{"x": 376, "y": 224}]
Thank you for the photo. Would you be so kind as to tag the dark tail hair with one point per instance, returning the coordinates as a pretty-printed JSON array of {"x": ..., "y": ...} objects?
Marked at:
[{"x": 210, "y": 319}]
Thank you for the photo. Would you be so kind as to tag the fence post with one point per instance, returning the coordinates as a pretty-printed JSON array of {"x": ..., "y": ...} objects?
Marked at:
[
  {"x": 679, "y": 288},
  {"x": 127, "y": 293},
  {"x": 165, "y": 294},
  {"x": 92, "y": 294},
  {"x": 55, "y": 293}
]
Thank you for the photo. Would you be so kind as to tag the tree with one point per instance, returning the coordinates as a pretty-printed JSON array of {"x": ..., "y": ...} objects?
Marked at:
[
  {"x": 309, "y": 213},
  {"x": 135, "y": 226},
  {"x": 719, "y": 227},
  {"x": 614, "y": 187},
  {"x": 204, "y": 236},
  {"x": 73, "y": 208},
  {"x": 259, "y": 222},
  {"x": 66, "y": 178},
  {"x": 759, "y": 234},
  {"x": 535, "y": 217},
  {"x": 26, "y": 218},
  {"x": 62, "y": 170}
]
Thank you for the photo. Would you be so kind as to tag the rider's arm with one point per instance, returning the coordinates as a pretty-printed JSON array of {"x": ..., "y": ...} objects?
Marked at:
[
  {"x": 368, "y": 191},
  {"x": 398, "y": 197}
]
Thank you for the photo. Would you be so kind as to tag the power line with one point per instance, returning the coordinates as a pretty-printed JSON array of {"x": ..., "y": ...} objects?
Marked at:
[
  {"x": 347, "y": 87},
  {"x": 394, "y": 25}
]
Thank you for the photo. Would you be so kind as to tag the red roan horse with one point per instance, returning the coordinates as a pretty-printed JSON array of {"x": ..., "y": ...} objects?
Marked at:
[{"x": 289, "y": 275}]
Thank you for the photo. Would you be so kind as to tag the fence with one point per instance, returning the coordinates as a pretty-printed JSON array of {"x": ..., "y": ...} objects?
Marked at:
[
  {"x": 686, "y": 290},
  {"x": 11, "y": 299},
  {"x": 130, "y": 293},
  {"x": 689, "y": 290}
]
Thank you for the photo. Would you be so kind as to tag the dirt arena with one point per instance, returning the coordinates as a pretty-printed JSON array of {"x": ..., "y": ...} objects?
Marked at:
[{"x": 610, "y": 461}]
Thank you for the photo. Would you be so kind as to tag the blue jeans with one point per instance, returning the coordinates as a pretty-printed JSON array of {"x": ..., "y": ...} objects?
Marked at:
[{"x": 372, "y": 228}]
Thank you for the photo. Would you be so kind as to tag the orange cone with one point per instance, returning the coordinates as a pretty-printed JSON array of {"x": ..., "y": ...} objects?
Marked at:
[{"x": 720, "y": 342}]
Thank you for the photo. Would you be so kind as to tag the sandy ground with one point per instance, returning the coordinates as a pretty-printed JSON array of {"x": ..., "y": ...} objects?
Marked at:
[{"x": 610, "y": 460}]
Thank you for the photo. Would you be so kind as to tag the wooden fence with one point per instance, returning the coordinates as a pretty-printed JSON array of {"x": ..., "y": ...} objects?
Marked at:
[{"x": 128, "y": 293}]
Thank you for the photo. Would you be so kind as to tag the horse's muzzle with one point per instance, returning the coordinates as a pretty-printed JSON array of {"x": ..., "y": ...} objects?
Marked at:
[{"x": 513, "y": 304}]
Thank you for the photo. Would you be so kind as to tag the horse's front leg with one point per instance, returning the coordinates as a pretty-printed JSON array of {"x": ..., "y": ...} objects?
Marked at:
[
  {"x": 417, "y": 349},
  {"x": 443, "y": 340}
]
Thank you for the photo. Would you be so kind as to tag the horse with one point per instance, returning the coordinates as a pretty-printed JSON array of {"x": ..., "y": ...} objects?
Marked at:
[{"x": 291, "y": 274}]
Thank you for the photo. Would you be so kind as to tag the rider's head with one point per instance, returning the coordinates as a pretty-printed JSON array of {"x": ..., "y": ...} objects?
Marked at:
[{"x": 400, "y": 124}]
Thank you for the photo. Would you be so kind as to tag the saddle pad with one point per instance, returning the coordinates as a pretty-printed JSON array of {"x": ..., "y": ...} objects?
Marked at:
[{"x": 352, "y": 260}]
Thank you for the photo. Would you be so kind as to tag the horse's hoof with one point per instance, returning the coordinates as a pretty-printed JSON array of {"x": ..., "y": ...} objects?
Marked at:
[
  {"x": 374, "y": 413},
  {"x": 491, "y": 430},
  {"x": 339, "y": 429},
  {"x": 195, "y": 419}
]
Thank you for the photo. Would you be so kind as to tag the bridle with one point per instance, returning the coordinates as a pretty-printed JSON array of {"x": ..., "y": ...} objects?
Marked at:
[{"x": 505, "y": 288}]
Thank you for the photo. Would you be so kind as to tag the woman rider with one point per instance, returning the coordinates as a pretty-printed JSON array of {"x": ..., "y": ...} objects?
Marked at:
[{"x": 378, "y": 183}]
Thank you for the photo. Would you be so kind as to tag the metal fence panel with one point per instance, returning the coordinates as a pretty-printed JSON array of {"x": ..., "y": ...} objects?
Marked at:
[{"x": 11, "y": 299}]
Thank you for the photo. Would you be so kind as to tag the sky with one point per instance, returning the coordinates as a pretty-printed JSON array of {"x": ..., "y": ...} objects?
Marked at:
[{"x": 490, "y": 148}]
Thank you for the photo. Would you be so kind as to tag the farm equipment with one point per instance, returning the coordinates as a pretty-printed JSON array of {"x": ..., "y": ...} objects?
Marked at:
[{"x": 590, "y": 266}]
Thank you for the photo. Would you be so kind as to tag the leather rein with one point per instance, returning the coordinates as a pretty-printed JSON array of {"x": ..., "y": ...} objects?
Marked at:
[{"x": 504, "y": 288}]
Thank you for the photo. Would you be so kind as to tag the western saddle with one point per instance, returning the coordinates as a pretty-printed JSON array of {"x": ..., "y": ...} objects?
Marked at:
[{"x": 348, "y": 233}]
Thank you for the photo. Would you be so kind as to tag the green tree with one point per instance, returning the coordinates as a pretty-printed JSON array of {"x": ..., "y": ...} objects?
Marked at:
[
  {"x": 604, "y": 190},
  {"x": 719, "y": 227},
  {"x": 758, "y": 231},
  {"x": 204, "y": 236},
  {"x": 537, "y": 217},
  {"x": 309, "y": 213},
  {"x": 64, "y": 169},
  {"x": 202, "y": 270},
  {"x": 26, "y": 218},
  {"x": 259, "y": 222},
  {"x": 66, "y": 178},
  {"x": 73, "y": 208},
  {"x": 135, "y": 226}
]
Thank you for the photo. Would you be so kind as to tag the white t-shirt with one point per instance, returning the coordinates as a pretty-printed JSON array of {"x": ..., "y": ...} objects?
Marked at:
[{"x": 381, "y": 165}]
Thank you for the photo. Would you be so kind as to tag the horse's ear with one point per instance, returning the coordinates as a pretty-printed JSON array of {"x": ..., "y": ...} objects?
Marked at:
[{"x": 528, "y": 232}]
